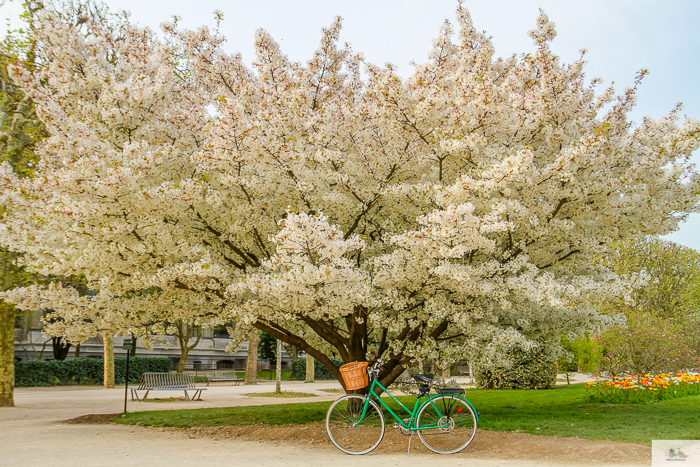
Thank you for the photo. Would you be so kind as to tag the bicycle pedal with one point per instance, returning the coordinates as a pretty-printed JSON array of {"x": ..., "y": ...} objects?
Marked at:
[{"x": 396, "y": 425}]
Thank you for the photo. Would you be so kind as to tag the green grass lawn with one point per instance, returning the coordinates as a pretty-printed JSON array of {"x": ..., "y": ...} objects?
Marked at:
[
  {"x": 280, "y": 394},
  {"x": 561, "y": 411}
]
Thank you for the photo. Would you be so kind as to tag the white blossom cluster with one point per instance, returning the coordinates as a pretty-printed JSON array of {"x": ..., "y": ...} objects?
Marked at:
[{"x": 333, "y": 203}]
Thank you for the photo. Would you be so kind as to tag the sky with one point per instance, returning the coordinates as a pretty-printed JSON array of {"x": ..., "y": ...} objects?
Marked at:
[{"x": 621, "y": 37}]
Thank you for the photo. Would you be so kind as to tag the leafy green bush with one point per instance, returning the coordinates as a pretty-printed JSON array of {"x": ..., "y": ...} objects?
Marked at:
[
  {"x": 83, "y": 371},
  {"x": 530, "y": 370},
  {"x": 138, "y": 366},
  {"x": 320, "y": 370},
  {"x": 267, "y": 348}
]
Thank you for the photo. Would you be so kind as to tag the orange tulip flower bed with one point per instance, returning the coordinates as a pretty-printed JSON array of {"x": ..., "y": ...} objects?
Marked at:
[{"x": 642, "y": 389}]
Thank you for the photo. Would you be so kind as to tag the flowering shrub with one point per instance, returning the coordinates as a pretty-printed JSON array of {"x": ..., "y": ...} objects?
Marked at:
[
  {"x": 643, "y": 388},
  {"x": 649, "y": 344}
]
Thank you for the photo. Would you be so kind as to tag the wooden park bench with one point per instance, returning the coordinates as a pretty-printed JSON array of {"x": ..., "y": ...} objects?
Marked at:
[{"x": 166, "y": 382}]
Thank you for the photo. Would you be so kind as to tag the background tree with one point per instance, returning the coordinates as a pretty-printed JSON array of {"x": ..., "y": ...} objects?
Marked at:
[
  {"x": 185, "y": 332},
  {"x": 583, "y": 355},
  {"x": 568, "y": 364},
  {"x": 134, "y": 339},
  {"x": 667, "y": 301},
  {"x": 251, "y": 367},
  {"x": 108, "y": 358},
  {"x": 334, "y": 205},
  {"x": 21, "y": 130},
  {"x": 672, "y": 272},
  {"x": 309, "y": 369},
  {"x": 60, "y": 348}
]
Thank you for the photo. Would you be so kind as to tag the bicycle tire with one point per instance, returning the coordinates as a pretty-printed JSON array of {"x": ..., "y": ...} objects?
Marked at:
[
  {"x": 348, "y": 431},
  {"x": 454, "y": 426}
]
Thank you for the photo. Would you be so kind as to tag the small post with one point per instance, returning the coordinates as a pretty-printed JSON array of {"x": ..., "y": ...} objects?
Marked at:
[{"x": 127, "y": 345}]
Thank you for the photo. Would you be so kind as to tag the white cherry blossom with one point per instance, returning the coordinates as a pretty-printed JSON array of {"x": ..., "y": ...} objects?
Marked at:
[{"x": 335, "y": 204}]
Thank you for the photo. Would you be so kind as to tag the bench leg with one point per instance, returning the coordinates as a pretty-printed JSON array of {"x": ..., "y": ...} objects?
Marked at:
[
  {"x": 145, "y": 396},
  {"x": 134, "y": 393},
  {"x": 187, "y": 395},
  {"x": 197, "y": 395}
]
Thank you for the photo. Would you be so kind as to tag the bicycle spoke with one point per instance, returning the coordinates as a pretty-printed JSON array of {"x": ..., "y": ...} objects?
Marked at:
[
  {"x": 448, "y": 424},
  {"x": 349, "y": 430}
]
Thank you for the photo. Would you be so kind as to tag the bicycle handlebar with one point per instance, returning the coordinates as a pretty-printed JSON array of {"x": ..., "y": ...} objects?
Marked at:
[{"x": 374, "y": 371}]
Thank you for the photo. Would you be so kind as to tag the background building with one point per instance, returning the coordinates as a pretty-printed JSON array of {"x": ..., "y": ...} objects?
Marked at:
[{"x": 210, "y": 352}]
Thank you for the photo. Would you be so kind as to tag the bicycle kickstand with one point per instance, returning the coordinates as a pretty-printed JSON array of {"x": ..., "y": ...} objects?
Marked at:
[{"x": 409, "y": 443}]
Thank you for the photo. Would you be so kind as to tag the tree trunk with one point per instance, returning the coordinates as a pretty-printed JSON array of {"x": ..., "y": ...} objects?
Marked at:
[
  {"x": 132, "y": 352},
  {"x": 77, "y": 351},
  {"x": 356, "y": 351},
  {"x": 251, "y": 367},
  {"x": 184, "y": 351},
  {"x": 60, "y": 347},
  {"x": 7, "y": 355},
  {"x": 310, "y": 362},
  {"x": 185, "y": 331},
  {"x": 108, "y": 360},
  {"x": 278, "y": 386}
]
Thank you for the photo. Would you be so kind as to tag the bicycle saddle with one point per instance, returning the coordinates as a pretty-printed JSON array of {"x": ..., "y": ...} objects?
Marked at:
[{"x": 426, "y": 379}]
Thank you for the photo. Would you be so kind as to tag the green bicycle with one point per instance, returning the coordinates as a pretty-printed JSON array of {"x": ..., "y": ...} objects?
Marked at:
[{"x": 446, "y": 423}]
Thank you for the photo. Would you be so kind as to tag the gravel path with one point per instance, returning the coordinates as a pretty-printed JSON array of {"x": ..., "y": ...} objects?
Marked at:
[{"x": 35, "y": 433}]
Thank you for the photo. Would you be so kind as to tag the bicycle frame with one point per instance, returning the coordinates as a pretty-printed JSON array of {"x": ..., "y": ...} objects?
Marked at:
[{"x": 408, "y": 426}]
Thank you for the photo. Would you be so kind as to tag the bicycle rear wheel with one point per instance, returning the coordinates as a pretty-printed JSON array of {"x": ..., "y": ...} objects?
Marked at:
[
  {"x": 349, "y": 430},
  {"x": 450, "y": 424}
]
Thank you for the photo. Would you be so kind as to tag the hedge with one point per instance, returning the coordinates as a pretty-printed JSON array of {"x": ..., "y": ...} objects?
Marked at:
[
  {"x": 530, "y": 370},
  {"x": 83, "y": 371},
  {"x": 320, "y": 370}
]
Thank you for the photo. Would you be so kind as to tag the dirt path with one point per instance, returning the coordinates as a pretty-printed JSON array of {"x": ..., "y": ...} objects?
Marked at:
[
  {"x": 515, "y": 448},
  {"x": 36, "y": 433}
]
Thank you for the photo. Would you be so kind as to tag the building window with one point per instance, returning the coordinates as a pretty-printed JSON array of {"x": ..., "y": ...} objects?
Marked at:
[{"x": 220, "y": 331}]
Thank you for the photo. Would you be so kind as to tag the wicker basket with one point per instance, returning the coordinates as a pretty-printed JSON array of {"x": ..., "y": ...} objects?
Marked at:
[{"x": 355, "y": 375}]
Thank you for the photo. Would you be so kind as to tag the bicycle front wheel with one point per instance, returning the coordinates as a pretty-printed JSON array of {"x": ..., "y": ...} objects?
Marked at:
[
  {"x": 447, "y": 425},
  {"x": 349, "y": 430}
]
